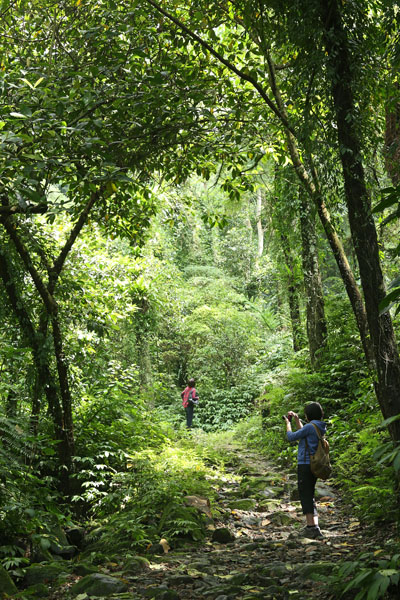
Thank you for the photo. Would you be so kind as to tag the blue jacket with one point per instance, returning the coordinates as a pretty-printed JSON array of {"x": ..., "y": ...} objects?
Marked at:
[{"x": 307, "y": 431}]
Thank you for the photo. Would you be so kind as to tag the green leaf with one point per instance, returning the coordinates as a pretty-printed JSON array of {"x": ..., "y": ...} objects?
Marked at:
[
  {"x": 17, "y": 115},
  {"x": 365, "y": 573},
  {"x": 28, "y": 83},
  {"x": 39, "y": 81},
  {"x": 390, "y": 420},
  {"x": 392, "y": 197},
  {"x": 396, "y": 462},
  {"x": 378, "y": 587},
  {"x": 386, "y": 202},
  {"x": 388, "y": 572},
  {"x": 385, "y": 304},
  {"x": 395, "y": 283},
  {"x": 45, "y": 543},
  {"x": 49, "y": 451}
]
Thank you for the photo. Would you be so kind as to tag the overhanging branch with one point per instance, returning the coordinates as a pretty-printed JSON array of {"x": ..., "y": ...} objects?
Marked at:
[
  {"x": 227, "y": 63},
  {"x": 7, "y": 211}
]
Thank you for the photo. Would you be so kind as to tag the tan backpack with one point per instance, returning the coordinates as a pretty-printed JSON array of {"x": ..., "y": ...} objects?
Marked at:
[{"x": 320, "y": 462}]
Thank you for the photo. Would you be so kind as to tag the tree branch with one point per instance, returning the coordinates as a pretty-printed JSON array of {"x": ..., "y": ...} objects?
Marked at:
[
  {"x": 227, "y": 63},
  {"x": 60, "y": 260},
  {"x": 6, "y": 211},
  {"x": 23, "y": 252}
]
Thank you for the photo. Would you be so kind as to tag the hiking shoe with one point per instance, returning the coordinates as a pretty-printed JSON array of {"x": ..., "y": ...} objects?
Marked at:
[{"x": 312, "y": 533}]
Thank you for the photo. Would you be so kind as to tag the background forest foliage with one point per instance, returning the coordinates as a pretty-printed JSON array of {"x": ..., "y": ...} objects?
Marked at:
[{"x": 153, "y": 228}]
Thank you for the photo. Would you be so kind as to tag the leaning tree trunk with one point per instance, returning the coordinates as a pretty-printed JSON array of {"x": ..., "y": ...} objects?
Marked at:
[
  {"x": 144, "y": 360},
  {"x": 316, "y": 323},
  {"x": 67, "y": 434},
  {"x": 362, "y": 225},
  {"x": 45, "y": 381},
  {"x": 311, "y": 185},
  {"x": 58, "y": 396}
]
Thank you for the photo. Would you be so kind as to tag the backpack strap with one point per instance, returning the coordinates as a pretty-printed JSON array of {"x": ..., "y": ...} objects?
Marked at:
[
  {"x": 317, "y": 429},
  {"x": 191, "y": 397},
  {"x": 320, "y": 437}
]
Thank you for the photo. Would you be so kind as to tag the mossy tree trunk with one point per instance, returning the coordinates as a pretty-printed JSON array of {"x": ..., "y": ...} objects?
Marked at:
[
  {"x": 362, "y": 225},
  {"x": 392, "y": 138},
  {"x": 46, "y": 337}
]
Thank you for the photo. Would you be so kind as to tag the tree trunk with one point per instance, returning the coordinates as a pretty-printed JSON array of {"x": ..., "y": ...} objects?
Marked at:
[
  {"x": 260, "y": 230},
  {"x": 143, "y": 349},
  {"x": 316, "y": 323},
  {"x": 144, "y": 360},
  {"x": 11, "y": 404},
  {"x": 293, "y": 295},
  {"x": 37, "y": 391},
  {"x": 67, "y": 433},
  {"x": 312, "y": 187},
  {"x": 36, "y": 405},
  {"x": 392, "y": 139},
  {"x": 45, "y": 380},
  {"x": 353, "y": 293},
  {"x": 359, "y": 209},
  {"x": 37, "y": 339}
]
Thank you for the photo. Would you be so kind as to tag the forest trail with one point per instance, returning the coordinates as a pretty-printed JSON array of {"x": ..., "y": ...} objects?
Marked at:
[{"x": 261, "y": 553}]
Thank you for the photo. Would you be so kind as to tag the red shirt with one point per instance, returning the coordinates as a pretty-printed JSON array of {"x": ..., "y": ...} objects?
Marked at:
[{"x": 186, "y": 394}]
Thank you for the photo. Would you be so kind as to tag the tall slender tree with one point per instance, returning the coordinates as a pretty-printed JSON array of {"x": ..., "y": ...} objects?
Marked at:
[
  {"x": 362, "y": 224},
  {"x": 316, "y": 322}
]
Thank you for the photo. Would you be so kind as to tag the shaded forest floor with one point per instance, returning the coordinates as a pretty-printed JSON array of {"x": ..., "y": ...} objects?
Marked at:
[
  {"x": 254, "y": 547},
  {"x": 267, "y": 557}
]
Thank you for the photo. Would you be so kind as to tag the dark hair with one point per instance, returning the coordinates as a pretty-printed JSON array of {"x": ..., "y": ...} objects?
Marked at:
[
  {"x": 191, "y": 382},
  {"x": 314, "y": 411}
]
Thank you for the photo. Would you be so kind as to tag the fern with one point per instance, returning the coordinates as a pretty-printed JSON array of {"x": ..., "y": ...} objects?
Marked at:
[
  {"x": 29, "y": 507},
  {"x": 13, "y": 443},
  {"x": 369, "y": 577},
  {"x": 178, "y": 520}
]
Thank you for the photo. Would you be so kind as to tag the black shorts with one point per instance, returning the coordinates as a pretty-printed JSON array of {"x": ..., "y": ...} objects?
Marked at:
[{"x": 306, "y": 485}]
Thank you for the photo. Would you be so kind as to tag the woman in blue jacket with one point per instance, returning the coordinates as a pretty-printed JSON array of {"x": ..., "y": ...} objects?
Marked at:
[{"x": 307, "y": 437}]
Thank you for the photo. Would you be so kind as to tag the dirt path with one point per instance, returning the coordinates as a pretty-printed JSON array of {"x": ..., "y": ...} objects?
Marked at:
[{"x": 261, "y": 553}]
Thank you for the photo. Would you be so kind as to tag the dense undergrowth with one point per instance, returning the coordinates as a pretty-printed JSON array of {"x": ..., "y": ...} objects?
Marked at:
[{"x": 136, "y": 462}]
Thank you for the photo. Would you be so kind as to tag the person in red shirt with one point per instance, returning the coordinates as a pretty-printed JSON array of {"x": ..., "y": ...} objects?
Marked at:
[{"x": 189, "y": 399}]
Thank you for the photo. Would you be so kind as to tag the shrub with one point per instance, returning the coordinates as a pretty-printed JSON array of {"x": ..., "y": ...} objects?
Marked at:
[
  {"x": 146, "y": 502},
  {"x": 370, "y": 576},
  {"x": 221, "y": 409}
]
